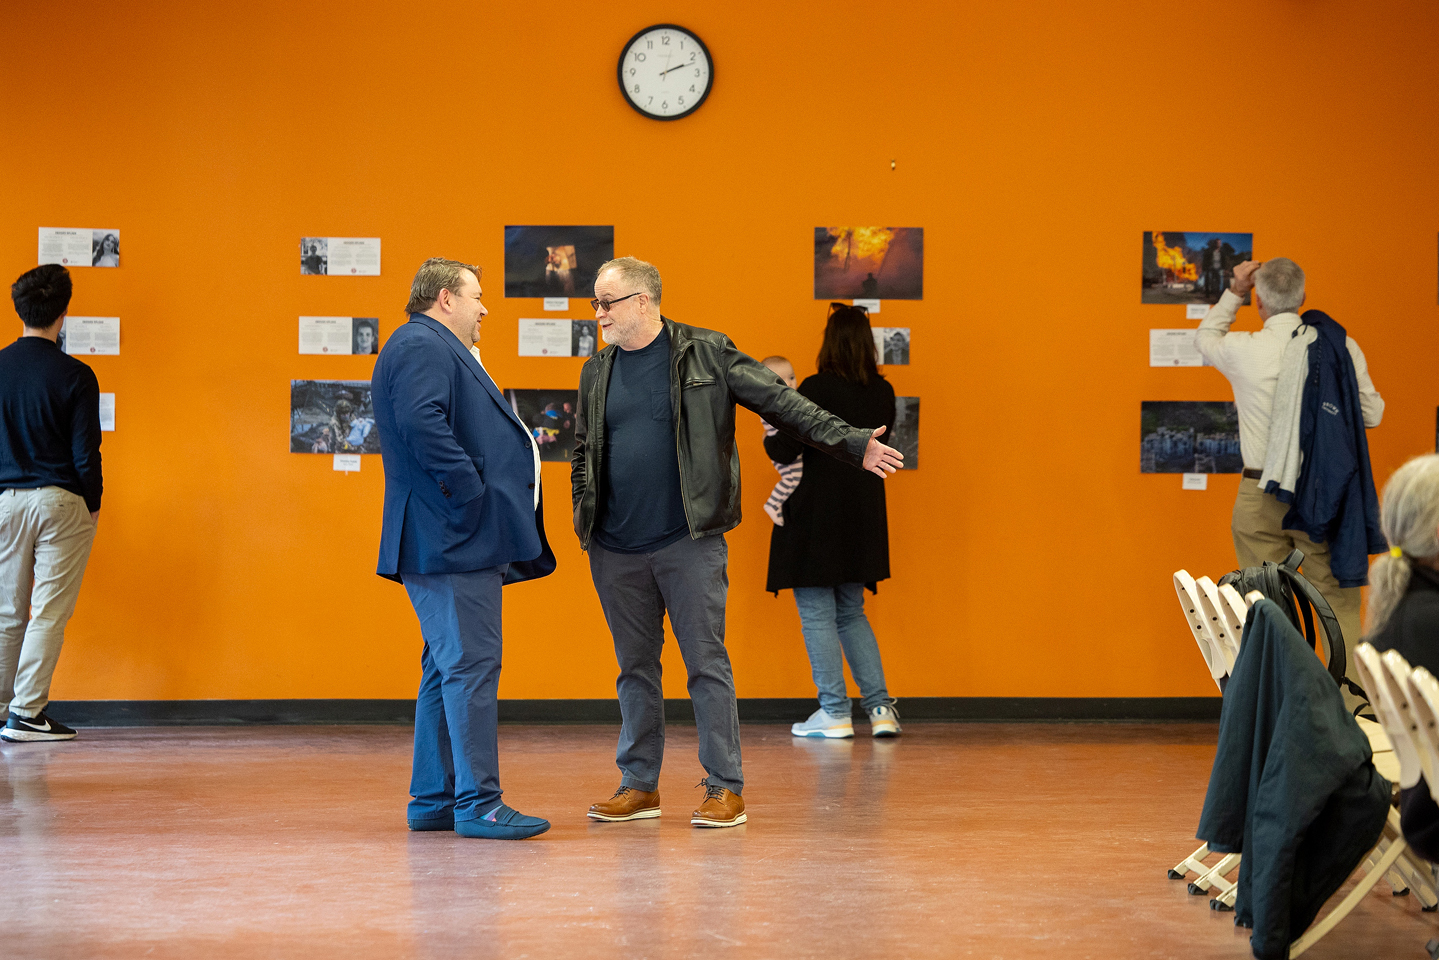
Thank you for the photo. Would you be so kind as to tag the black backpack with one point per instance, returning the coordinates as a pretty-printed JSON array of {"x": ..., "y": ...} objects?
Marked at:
[{"x": 1286, "y": 586}]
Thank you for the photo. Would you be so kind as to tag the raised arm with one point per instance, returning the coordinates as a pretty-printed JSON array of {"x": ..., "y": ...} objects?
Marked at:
[
  {"x": 1212, "y": 339},
  {"x": 756, "y": 387}
]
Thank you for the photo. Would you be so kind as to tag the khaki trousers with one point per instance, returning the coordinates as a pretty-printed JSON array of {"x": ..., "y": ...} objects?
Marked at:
[
  {"x": 45, "y": 539},
  {"x": 1258, "y": 517}
]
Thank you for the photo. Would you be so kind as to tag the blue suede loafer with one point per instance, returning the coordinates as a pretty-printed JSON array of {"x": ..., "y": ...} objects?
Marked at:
[
  {"x": 502, "y": 823},
  {"x": 432, "y": 823}
]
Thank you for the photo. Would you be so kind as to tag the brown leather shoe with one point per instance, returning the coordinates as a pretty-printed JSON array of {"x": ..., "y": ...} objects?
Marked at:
[
  {"x": 627, "y": 804},
  {"x": 720, "y": 809}
]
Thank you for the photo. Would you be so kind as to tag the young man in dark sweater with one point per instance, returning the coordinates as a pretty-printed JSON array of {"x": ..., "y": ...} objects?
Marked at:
[{"x": 49, "y": 499}]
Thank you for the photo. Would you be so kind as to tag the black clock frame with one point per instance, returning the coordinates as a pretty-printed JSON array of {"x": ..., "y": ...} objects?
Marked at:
[{"x": 620, "y": 70}]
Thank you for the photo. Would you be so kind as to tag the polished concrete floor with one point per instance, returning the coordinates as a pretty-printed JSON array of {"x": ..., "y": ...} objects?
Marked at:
[{"x": 957, "y": 840}]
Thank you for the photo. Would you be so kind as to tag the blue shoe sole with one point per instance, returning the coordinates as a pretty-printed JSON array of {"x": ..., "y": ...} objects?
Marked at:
[
  {"x": 484, "y": 830},
  {"x": 436, "y": 823}
]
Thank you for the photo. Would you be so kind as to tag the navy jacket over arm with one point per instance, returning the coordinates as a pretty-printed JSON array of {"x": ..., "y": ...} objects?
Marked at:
[
  {"x": 1334, "y": 500},
  {"x": 1293, "y": 787},
  {"x": 459, "y": 468}
]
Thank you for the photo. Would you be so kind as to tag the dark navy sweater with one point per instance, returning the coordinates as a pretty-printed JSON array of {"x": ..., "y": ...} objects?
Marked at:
[{"x": 49, "y": 420}]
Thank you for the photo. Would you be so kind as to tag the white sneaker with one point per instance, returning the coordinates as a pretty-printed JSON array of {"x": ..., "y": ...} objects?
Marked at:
[
  {"x": 821, "y": 724},
  {"x": 884, "y": 721}
]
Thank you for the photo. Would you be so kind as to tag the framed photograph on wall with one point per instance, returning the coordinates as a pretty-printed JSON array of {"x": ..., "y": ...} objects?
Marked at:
[
  {"x": 1188, "y": 436},
  {"x": 871, "y": 263},
  {"x": 332, "y": 416}
]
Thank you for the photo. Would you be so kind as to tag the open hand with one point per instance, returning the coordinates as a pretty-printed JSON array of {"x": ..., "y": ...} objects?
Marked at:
[
  {"x": 1243, "y": 280},
  {"x": 880, "y": 459}
]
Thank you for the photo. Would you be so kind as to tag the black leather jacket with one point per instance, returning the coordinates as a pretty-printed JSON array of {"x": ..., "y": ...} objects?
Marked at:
[{"x": 708, "y": 376}]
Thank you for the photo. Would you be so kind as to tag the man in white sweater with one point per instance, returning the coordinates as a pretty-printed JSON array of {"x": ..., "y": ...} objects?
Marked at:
[{"x": 1252, "y": 362}]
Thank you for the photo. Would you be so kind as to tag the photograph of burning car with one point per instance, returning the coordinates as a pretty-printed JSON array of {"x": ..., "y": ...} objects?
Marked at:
[{"x": 1187, "y": 267}]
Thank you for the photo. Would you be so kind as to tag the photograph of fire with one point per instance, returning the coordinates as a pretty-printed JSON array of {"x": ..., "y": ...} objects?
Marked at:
[
  {"x": 1187, "y": 267},
  {"x": 876, "y": 263}
]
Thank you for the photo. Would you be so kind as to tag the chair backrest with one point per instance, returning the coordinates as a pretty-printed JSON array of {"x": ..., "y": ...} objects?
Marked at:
[
  {"x": 1377, "y": 681},
  {"x": 1211, "y": 605},
  {"x": 1188, "y": 592},
  {"x": 1424, "y": 701}
]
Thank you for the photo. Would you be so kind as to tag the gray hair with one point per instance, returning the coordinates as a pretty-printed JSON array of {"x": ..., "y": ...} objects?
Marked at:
[
  {"x": 434, "y": 275},
  {"x": 1410, "y": 520},
  {"x": 1280, "y": 283},
  {"x": 638, "y": 272}
]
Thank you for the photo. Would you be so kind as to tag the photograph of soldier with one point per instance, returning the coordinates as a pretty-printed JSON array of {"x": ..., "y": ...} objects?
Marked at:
[
  {"x": 314, "y": 255},
  {"x": 332, "y": 416},
  {"x": 1187, "y": 267}
]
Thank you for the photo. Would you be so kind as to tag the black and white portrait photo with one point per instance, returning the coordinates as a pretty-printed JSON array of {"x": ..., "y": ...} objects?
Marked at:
[
  {"x": 584, "y": 335},
  {"x": 314, "y": 256},
  {"x": 365, "y": 334},
  {"x": 105, "y": 248}
]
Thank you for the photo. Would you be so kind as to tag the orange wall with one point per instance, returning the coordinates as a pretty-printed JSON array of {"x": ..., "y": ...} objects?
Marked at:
[{"x": 1033, "y": 143}]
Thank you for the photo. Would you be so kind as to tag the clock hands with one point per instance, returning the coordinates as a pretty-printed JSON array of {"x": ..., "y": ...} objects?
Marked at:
[{"x": 671, "y": 69}]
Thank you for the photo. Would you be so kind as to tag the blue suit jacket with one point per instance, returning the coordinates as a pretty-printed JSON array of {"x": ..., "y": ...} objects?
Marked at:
[{"x": 459, "y": 469}]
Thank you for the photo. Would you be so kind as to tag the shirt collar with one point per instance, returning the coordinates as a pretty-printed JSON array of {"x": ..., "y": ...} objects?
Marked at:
[{"x": 1283, "y": 321}]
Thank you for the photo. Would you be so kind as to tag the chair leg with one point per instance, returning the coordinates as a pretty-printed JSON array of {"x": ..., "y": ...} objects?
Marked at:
[
  {"x": 1194, "y": 863},
  {"x": 1214, "y": 876},
  {"x": 1314, "y": 933}
]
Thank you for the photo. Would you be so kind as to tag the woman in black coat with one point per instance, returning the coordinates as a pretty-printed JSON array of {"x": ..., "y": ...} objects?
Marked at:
[
  {"x": 1404, "y": 608},
  {"x": 835, "y": 538}
]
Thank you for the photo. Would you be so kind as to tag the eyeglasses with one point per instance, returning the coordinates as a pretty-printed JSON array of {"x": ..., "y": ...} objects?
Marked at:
[
  {"x": 845, "y": 306},
  {"x": 606, "y": 304}
]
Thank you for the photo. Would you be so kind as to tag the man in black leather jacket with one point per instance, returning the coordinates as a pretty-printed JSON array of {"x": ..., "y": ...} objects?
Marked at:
[{"x": 656, "y": 484}]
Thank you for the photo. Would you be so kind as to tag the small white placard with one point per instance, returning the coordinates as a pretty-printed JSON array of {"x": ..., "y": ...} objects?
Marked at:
[
  {"x": 544, "y": 338},
  {"x": 1196, "y": 311},
  {"x": 1195, "y": 481},
  {"x": 871, "y": 305},
  {"x": 340, "y": 256},
  {"x": 557, "y": 303},
  {"x": 339, "y": 335},
  {"x": 79, "y": 247},
  {"x": 558, "y": 338},
  {"x": 1174, "y": 348},
  {"x": 92, "y": 336},
  {"x": 107, "y": 412},
  {"x": 347, "y": 462}
]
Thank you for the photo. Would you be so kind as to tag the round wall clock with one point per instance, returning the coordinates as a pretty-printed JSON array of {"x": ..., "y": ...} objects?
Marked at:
[{"x": 665, "y": 72}]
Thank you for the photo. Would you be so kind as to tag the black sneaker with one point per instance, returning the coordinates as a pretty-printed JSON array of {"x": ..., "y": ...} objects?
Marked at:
[{"x": 27, "y": 729}]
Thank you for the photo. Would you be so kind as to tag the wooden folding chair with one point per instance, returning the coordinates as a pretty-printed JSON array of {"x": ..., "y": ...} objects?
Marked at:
[{"x": 1205, "y": 616}]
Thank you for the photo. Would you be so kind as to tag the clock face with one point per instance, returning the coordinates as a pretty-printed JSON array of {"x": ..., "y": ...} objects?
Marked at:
[{"x": 665, "y": 72}]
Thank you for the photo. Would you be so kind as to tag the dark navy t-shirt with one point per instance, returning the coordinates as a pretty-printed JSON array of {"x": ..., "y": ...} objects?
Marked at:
[{"x": 643, "y": 508}]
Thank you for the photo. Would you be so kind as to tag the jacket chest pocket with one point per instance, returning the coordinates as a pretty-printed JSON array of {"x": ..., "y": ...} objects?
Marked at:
[{"x": 660, "y": 406}]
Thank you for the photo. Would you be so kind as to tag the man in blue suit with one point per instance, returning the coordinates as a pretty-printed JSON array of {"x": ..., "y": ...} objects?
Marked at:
[{"x": 462, "y": 518}]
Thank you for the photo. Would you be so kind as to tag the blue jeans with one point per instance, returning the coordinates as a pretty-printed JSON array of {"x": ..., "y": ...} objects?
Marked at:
[
  {"x": 833, "y": 618},
  {"x": 457, "y": 763},
  {"x": 688, "y": 580}
]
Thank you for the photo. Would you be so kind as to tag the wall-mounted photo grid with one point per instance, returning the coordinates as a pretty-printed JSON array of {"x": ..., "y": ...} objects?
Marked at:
[
  {"x": 332, "y": 416},
  {"x": 1189, "y": 437}
]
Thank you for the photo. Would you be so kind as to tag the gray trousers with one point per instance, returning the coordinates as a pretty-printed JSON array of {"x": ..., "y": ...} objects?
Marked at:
[{"x": 689, "y": 580}]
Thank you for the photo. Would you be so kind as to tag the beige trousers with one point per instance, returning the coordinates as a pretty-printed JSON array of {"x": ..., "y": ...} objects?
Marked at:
[
  {"x": 45, "y": 539},
  {"x": 1258, "y": 517}
]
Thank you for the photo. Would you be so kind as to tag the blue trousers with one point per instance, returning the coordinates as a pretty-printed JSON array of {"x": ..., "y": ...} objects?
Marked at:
[
  {"x": 457, "y": 764},
  {"x": 833, "y": 620}
]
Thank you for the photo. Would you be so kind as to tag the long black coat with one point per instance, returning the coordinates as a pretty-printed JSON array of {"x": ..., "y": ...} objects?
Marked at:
[
  {"x": 1293, "y": 788},
  {"x": 835, "y": 527}
]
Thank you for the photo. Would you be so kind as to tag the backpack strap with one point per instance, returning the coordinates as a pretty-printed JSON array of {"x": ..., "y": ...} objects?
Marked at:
[{"x": 1329, "y": 631}]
